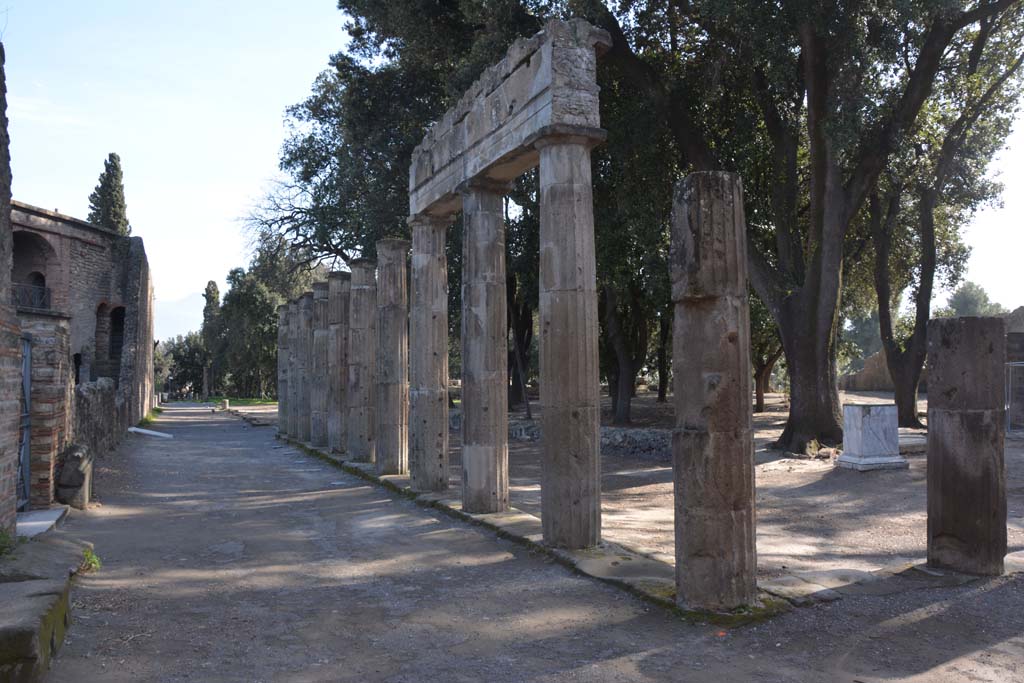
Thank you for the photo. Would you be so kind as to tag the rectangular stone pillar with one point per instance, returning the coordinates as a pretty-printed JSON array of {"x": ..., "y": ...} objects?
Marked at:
[
  {"x": 966, "y": 436},
  {"x": 293, "y": 369},
  {"x": 871, "y": 438},
  {"x": 570, "y": 404},
  {"x": 318, "y": 379},
  {"x": 305, "y": 334},
  {"x": 712, "y": 444},
  {"x": 484, "y": 351},
  {"x": 282, "y": 369},
  {"x": 337, "y": 359},
  {"x": 392, "y": 431},
  {"x": 362, "y": 360},
  {"x": 428, "y": 356}
]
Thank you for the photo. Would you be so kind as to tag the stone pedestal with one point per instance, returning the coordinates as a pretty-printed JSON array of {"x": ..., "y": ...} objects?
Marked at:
[
  {"x": 362, "y": 360},
  {"x": 966, "y": 433},
  {"x": 712, "y": 443},
  {"x": 339, "y": 284},
  {"x": 428, "y": 356},
  {"x": 304, "y": 359},
  {"x": 484, "y": 351},
  {"x": 282, "y": 369},
  {"x": 318, "y": 378},
  {"x": 392, "y": 357},
  {"x": 570, "y": 406},
  {"x": 871, "y": 438}
]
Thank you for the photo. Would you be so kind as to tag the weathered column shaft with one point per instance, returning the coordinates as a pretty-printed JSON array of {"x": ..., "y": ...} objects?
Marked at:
[
  {"x": 484, "y": 352},
  {"x": 305, "y": 334},
  {"x": 318, "y": 379},
  {"x": 570, "y": 404},
  {"x": 966, "y": 437},
  {"x": 428, "y": 356},
  {"x": 712, "y": 444},
  {"x": 362, "y": 360},
  {"x": 282, "y": 369},
  {"x": 392, "y": 431},
  {"x": 294, "y": 378},
  {"x": 337, "y": 360}
]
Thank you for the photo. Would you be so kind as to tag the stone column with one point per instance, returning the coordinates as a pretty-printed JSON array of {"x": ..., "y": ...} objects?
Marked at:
[
  {"x": 305, "y": 334},
  {"x": 337, "y": 359},
  {"x": 966, "y": 433},
  {"x": 362, "y": 360},
  {"x": 318, "y": 380},
  {"x": 428, "y": 356},
  {"x": 712, "y": 444},
  {"x": 282, "y": 369},
  {"x": 392, "y": 431},
  {"x": 484, "y": 351},
  {"x": 570, "y": 404},
  {"x": 294, "y": 379}
]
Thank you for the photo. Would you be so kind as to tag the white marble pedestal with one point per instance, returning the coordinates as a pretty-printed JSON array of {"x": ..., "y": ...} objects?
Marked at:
[{"x": 871, "y": 438}]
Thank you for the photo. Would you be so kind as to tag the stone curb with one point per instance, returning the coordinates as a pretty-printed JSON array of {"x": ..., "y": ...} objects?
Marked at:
[
  {"x": 637, "y": 573},
  {"x": 35, "y": 586}
]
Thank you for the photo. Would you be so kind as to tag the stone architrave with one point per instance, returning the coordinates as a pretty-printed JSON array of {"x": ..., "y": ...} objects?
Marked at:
[
  {"x": 484, "y": 351},
  {"x": 392, "y": 431},
  {"x": 337, "y": 359},
  {"x": 294, "y": 377},
  {"x": 305, "y": 334},
  {"x": 362, "y": 360},
  {"x": 428, "y": 356},
  {"x": 318, "y": 379},
  {"x": 282, "y": 369},
  {"x": 871, "y": 438},
  {"x": 966, "y": 438},
  {"x": 712, "y": 443},
  {"x": 537, "y": 106}
]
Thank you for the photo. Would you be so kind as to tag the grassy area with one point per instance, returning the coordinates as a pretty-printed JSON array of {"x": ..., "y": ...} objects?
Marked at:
[{"x": 246, "y": 401}]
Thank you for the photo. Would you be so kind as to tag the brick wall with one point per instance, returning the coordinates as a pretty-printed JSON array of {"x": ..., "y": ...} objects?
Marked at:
[{"x": 10, "y": 334}]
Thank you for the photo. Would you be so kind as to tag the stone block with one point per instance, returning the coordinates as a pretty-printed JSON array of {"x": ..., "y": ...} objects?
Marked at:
[{"x": 871, "y": 438}]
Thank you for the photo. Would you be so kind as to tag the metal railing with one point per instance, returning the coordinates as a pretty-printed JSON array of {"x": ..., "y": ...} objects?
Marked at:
[{"x": 30, "y": 296}]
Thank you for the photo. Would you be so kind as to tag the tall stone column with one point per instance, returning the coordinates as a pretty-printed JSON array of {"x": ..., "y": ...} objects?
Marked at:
[
  {"x": 966, "y": 437},
  {"x": 428, "y": 356},
  {"x": 318, "y": 380},
  {"x": 712, "y": 444},
  {"x": 294, "y": 378},
  {"x": 10, "y": 334},
  {"x": 305, "y": 334},
  {"x": 282, "y": 369},
  {"x": 570, "y": 404},
  {"x": 484, "y": 350},
  {"x": 362, "y": 360},
  {"x": 392, "y": 430},
  {"x": 337, "y": 359}
]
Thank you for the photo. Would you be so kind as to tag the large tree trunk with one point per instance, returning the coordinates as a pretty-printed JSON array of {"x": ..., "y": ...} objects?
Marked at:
[
  {"x": 622, "y": 377},
  {"x": 763, "y": 378},
  {"x": 664, "y": 339},
  {"x": 520, "y": 325}
]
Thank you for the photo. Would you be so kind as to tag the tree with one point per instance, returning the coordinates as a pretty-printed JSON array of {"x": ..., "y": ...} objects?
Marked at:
[
  {"x": 972, "y": 300},
  {"x": 212, "y": 334},
  {"x": 765, "y": 349},
  {"x": 107, "y": 206},
  {"x": 187, "y": 362},
  {"x": 248, "y": 324}
]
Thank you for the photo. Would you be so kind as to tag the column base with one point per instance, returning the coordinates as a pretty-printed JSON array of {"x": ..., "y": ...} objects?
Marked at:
[{"x": 864, "y": 463}]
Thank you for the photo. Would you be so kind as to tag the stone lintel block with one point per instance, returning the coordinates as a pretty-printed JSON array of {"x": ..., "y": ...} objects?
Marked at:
[
  {"x": 966, "y": 363},
  {"x": 967, "y": 490},
  {"x": 871, "y": 438}
]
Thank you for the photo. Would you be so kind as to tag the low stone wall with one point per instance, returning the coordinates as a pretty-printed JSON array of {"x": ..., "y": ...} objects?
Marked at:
[
  {"x": 633, "y": 442},
  {"x": 101, "y": 416}
]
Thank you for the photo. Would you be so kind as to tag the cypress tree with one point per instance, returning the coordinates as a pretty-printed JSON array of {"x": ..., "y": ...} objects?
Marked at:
[{"x": 107, "y": 206}]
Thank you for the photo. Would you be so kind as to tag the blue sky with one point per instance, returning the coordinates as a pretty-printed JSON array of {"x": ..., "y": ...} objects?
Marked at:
[{"x": 192, "y": 94}]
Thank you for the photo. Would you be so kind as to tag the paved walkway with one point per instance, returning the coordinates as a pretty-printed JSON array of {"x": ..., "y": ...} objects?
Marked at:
[{"x": 229, "y": 557}]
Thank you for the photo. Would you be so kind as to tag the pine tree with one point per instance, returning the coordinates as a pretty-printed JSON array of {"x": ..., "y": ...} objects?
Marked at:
[{"x": 107, "y": 206}]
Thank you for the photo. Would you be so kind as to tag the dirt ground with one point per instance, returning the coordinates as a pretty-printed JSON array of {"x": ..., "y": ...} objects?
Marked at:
[{"x": 228, "y": 556}]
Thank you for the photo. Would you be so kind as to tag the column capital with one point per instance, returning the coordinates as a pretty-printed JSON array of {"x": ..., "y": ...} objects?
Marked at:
[
  {"x": 565, "y": 134},
  {"x": 339, "y": 275},
  {"x": 484, "y": 184},
  {"x": 392, "y": 245},
  {"x": 429, "y": 220}
]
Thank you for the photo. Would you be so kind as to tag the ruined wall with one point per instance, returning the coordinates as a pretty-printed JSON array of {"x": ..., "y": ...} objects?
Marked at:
[
  {"x": 10, "y": 334},
  {"x": 98, "y": 422}
]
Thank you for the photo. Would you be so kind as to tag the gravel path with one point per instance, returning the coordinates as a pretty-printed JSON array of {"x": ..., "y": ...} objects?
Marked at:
[{"x": 228, "y": 557}]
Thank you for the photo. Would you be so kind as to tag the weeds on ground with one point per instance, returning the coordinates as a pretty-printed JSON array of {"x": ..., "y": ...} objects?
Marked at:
[
  {"x": 7, "y": 542},
  {"x": 90, "y": 562}
]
